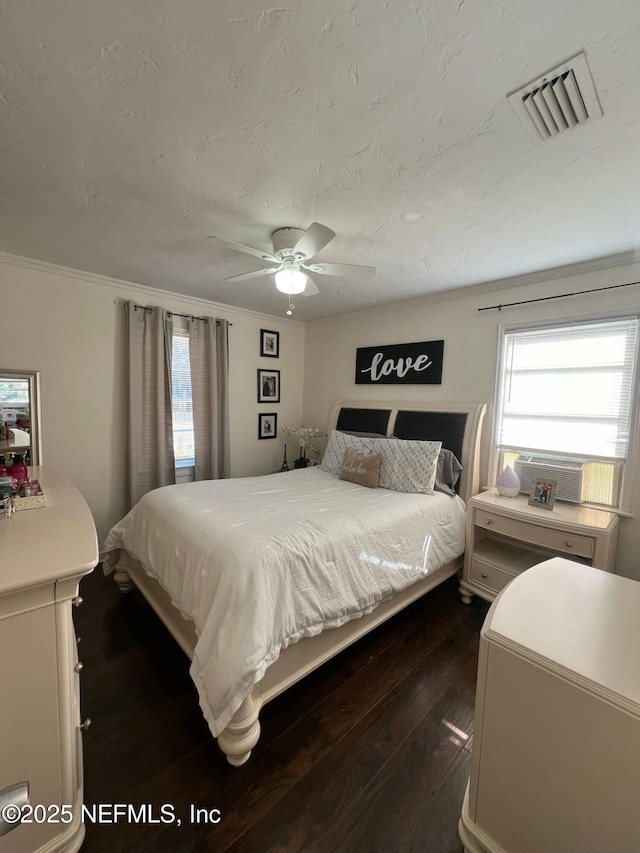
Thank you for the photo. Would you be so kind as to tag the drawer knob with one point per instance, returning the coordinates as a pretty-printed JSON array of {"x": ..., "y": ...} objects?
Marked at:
[
  {"x": 485, "y": 575},
  {"x": 84, "y": 726},
  {"x": 77, "y": 601},
  {"x": 488, "y": 521},
  {"x": 569, "y": 543},
  {"x": 78, "y": 667}
]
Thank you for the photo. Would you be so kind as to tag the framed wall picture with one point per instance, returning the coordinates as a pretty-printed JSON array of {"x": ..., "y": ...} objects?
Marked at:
[
  {"x": 267, "y": 425},
  {"x": 269, "y": 343},
  {"x": 543, "y": 493},
  {"x": 418, "y": 363},
  {"x": 268, "y": 386}
]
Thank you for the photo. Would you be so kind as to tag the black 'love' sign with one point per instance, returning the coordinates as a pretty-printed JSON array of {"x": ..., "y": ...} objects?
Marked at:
[{"x": 400, "y": 364}]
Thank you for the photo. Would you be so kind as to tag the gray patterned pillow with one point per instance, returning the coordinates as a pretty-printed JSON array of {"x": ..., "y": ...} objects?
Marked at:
[
  {"x": 407, "y": 466},
  {"x": 336, "y": 446},
  {"x": 448, "y": 472}
]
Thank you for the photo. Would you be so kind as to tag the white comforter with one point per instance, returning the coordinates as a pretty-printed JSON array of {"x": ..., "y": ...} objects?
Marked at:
[{"x": 259, "y": 562}]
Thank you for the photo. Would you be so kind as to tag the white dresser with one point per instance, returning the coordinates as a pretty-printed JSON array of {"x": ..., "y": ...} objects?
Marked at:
[
  {"x": 44, "y": 553},
  {"x": 556, "y": 750}
]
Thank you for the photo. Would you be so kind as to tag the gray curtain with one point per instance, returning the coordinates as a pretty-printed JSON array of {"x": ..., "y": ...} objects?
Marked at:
[
  {"x": 209, "y": 363},
  {"x": 151, "y": 459}
]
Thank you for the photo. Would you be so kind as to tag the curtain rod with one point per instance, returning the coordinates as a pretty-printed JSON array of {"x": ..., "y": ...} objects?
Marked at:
[
  {"x": 174, "y": 313},
  {"x": 192, "y": 317},
  {"x": 559, "y": 296}
]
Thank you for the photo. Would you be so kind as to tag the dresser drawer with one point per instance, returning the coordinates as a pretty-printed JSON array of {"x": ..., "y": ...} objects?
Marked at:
[
  {"x": 524, "y": 531},
  {"x": 489, "y": 576}
]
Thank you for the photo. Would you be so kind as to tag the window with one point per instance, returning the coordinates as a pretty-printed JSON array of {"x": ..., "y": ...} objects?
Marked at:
[
  {"x": 568, "y": 391},
  {"x": 183, "y": 440}
]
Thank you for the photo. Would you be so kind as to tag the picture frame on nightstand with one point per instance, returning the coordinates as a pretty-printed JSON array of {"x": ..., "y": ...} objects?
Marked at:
[{"x": 543, "y": 493}]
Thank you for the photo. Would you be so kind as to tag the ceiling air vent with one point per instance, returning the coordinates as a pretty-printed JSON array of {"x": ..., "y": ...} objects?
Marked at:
[{"x": 558, "y": 101}]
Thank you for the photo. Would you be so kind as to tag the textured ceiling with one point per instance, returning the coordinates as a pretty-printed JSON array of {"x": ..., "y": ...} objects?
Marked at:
[{"x": 130, "y": 130}]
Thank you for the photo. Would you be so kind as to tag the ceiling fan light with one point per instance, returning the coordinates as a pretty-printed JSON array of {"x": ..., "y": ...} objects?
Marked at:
[{"x": 291, "y": 281}]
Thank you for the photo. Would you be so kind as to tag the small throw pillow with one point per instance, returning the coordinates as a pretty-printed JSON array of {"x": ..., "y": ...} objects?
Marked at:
[{"x": 361, "y": 468}]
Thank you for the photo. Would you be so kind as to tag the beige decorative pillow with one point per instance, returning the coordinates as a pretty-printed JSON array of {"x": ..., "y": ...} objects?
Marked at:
[{"x": 361, "y": 468}]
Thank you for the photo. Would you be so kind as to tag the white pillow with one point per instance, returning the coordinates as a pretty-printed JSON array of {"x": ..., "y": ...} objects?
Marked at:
[
  {"x": 407, "y": 466},
  {"x": 336, "y": 446}
]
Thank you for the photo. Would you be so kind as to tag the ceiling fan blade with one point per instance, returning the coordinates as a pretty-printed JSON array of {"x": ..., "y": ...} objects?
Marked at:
[
  {"x": 313, "y": 240},
  {"x": 238, "y": 247},
  {"x": 245, "y": 276},
  {"x": 310, "y": 289},
  {"x": 344, "y": 270}
]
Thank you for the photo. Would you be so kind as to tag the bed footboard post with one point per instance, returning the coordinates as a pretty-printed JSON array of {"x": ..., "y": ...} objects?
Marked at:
[
  {"x": 121, "y": 575},
  {"x": 242, "y": 733},
  {"x": 465, "y": 594}
]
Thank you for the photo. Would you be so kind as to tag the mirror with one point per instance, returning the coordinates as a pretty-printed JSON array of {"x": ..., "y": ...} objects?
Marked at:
[{"x": 20, "y": 412}]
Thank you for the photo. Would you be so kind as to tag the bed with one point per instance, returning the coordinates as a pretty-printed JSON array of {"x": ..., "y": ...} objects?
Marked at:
[{"x": 262, "y": 579}]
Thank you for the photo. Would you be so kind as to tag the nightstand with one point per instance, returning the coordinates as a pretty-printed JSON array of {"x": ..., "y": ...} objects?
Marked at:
[{"x": 506, "y": 536}]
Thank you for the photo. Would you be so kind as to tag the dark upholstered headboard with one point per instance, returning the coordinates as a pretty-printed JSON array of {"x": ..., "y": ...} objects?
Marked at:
[
  {"x": 364, "y": 420},
  {"x": 447, "y": 427},
  {"x": 456, "y": 425}
]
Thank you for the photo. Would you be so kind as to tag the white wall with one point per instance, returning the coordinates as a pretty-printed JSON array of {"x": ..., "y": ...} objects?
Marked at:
[
  {"x": 73, "y": 331},
  {"x": 470, "y": 354}
]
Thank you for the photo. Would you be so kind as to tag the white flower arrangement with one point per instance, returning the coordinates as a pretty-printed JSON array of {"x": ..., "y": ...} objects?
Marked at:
[{"x": 307, "y": 438}]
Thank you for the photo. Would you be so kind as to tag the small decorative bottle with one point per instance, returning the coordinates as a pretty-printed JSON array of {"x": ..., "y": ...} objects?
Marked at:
[
  {"x": 508, "y": 483},
  {"x": 18, "y": 470},
  {"x": 285, "y": 464}
]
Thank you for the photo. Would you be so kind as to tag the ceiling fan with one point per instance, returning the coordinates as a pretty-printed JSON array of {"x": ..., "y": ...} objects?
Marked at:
[{"x": 293, "y": 252}]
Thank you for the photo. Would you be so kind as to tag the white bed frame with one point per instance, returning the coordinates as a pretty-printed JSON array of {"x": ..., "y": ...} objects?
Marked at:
[{"x": 242, "y": 733}]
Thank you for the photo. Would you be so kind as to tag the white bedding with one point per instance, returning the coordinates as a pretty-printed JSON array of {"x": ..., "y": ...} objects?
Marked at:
[{"x": 259, "y": 562}]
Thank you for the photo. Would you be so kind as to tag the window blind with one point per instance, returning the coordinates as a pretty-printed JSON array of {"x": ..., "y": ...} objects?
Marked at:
[
  {"x": 569, "y": 389},
  {"x": 181, "y": 404}
]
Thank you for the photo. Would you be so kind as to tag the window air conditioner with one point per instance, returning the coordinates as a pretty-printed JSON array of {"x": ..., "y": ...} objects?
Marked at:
[{"x": 569, "y": 474}]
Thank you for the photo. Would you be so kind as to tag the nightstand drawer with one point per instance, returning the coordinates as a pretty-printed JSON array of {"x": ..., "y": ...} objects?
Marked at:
[
  {"x": 489, "y": 576},
  {"x": 556, "y": 540}
]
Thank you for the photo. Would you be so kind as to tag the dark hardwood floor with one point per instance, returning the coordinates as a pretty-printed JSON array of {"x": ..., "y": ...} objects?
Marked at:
[{"x": 369, "y": 753}]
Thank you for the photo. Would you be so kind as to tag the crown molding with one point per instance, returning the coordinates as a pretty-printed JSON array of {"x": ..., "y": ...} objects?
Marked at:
[
  {"x": 622, "y": 259},
  {"x": 107, "y": 281},
  {"x": 490, "y": 286}
]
